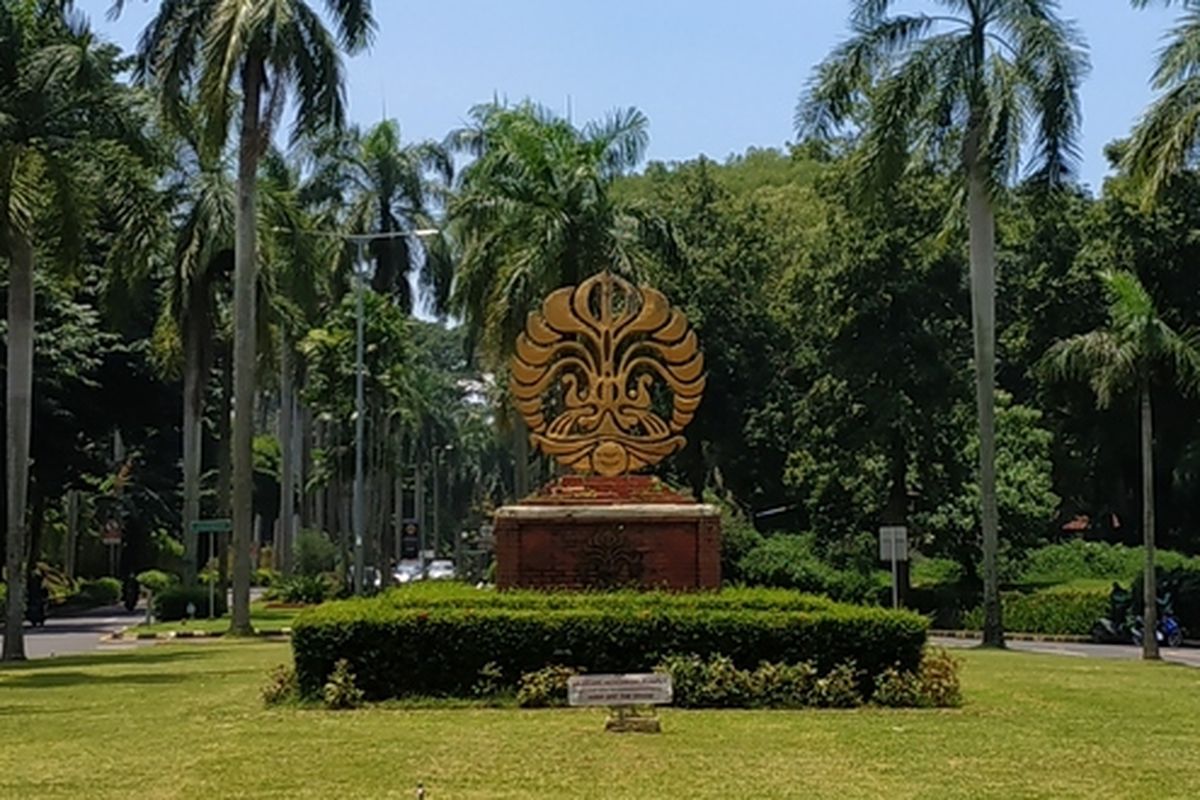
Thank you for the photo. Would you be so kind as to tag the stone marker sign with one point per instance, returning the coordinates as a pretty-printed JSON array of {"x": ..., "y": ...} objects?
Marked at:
[{"x": 624, "y": 694}]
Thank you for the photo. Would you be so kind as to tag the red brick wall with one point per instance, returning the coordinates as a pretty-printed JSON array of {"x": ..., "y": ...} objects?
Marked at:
[{"x": 680, "y": 554}]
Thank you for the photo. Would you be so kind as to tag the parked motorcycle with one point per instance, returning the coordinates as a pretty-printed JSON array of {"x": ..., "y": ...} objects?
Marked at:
[
  {"x": 1124, "y": 624},
  {"x": 1167, "y": 631}
]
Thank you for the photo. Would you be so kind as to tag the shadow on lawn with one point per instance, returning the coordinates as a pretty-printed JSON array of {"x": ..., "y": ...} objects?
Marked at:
[
  {"x": 42, "y": 680},
  {"x": 142, "y": 655}
]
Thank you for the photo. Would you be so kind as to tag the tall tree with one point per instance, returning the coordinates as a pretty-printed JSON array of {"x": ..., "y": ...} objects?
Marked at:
[
  {"x": 59, "y": 104},
  {"x": 961, "y": 86},
  {"x": 1164, "y": 141},
  {"x": 534, "y": 212},
  {"x": 1135, "y": 350},
  {"x": 260, "y": 51},
  {"x": 373, "y": 183}
]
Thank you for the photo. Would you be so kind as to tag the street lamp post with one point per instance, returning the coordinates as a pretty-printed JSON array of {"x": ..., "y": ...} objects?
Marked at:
[
  {"x": 359, "y": 412},
  {"x": 359, "y": 509}
]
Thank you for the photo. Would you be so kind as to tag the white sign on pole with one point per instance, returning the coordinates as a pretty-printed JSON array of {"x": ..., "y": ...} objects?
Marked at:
[
  {"x": 650, "y": 689},
  {"x": 893, "y": 543}
]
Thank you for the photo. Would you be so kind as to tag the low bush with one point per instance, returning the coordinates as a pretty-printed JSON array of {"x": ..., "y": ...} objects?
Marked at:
[
  {"x": 396, "y": 649},
  {"x": 171, "y": 604},
  {"x": 96, "y": 593},
  {"x": 315, "y": 553},
  {"x": 341, "y": 690},
  {"x": 792, "y": 562},
  {"x": 281, "y": 686},
  {"x": 155, "y": 581},
  {"x": 545, "y": 687},
  {"x": 1049, "y": 611},
  {"x": 264, "y": 576},
  {"x": 934, "y": 685},
  {"x": 1076, "y": 559},
  {"x": 935, "y": 571},
  {"x": 308, "y": 589}
]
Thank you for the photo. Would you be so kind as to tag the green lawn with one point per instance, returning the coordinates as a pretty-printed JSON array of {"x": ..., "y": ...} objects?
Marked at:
[
  {"x": 185, "y": 721},
  {"x": 261, "y": 617}
]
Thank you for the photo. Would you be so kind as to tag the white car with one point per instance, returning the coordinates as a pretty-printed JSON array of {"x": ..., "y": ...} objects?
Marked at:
[
  {"x": 440, "y": 569},
  {"x": 406, "y": 572}
]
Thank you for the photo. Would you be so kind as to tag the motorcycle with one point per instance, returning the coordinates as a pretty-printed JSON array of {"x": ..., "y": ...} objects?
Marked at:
[{"x": 1167, "y": 632}]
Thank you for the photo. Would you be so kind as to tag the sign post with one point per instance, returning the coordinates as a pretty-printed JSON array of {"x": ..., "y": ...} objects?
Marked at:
[
  {"x": 623, "y": 694},
  {"x": 212, "y": 527},
  {"x": 893, "y": 547}
]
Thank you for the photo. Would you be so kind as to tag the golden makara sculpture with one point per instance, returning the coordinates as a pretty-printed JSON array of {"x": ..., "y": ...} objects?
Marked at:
[{"x": 593, "y": 355}]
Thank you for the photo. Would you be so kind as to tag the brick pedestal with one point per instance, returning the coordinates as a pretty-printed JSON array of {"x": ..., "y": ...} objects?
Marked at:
[{"x": 608, "y": 543}]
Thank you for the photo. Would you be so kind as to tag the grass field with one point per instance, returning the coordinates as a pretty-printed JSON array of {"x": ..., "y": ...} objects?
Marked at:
[
  {"x": 185, "y": 721},
  {"x": 261, "y": 617}
]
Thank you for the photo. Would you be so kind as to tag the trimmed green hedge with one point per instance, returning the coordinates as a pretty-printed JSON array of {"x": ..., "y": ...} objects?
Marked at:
[
  {"x": 1051, "y": 611},
  {"x": 171, "y": 604},
  {"x": 396, "y": 649},
  {"x": 453, "y": 594}
]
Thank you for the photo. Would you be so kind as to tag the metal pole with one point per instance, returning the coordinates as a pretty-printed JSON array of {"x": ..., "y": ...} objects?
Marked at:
[
  {"x": 895, "y": 575},
  {"x": 359, "y": 413},
  {"x": 212, "y": 578}
]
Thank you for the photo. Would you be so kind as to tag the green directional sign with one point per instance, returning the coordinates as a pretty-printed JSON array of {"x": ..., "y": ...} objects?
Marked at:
[{"x": 212, "y": 526}]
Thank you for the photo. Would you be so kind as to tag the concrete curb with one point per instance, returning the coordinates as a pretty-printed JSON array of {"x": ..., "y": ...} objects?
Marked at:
[
  {"x": 1017, "y": 637},
  {"x": 132, "y": 634}
]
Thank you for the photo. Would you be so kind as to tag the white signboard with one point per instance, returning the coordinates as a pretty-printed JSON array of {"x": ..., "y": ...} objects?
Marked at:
[
  {"x": 893, "y": 543},
  {"x": 652, "y": 689}
]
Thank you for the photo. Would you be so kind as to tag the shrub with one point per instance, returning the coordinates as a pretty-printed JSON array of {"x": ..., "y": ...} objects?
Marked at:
[
  {"x": 738, "y": 539},
  {"x": 791, "y": 562},
  {"x": 171, "y": 604},
  {"x": 1067, "y": 561},
  {"x": 341, "y": 691},
  {"x": 315, "y": 553},
  {"x": 398, "y": 650},
  {"x": 281, "y": 686},
  {"x": 491, "y": 681},
  {"x": 155, "y": 581},
  {"x": 98, "y": 592},
  {"x": 938, "y": 678},
  {"x": 897, "y": 689},
  {"x": 717, "y": 682},
  {"x": 429, "y": 595},
  {"x": 934, "y": 685},
  {"x": 545, "y": 687},
  {"x": 264, "y": 576},
  {"x": 1049, "y": 611},
  {"x": 839, "y": 689},
  {"x": 935, "y": 571},
  {"x": 309, "y": 589}
]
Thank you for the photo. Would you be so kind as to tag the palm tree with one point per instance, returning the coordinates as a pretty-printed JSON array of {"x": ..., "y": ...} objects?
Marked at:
[
  {"x": 265, "y": 49},
  {"x": 58, "y": 100},
  {"x": 534, "y": 212},
  {"x": 1135, "y": 349},
  {"x": 372, "y": 183},
  {"x": 964, "y": 85},
  {"x": 1164, "y": 141}
]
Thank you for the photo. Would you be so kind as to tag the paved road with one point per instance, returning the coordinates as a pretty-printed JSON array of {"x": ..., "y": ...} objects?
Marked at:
[
  {"x": 79, "y": 634},
  {"x": 1179, "y": 655}
]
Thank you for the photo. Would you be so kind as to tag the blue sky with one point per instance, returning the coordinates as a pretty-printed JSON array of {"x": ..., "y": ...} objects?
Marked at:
[{"x": 713, "y": 78}]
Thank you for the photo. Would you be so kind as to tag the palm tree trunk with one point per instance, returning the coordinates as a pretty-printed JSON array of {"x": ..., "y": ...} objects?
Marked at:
[
  {"x": 225, "y": 466},
  {"x": 19, "y": 419},
  {"x": 193, "y": 418},
  {"x": 287, "y": 460},
  {"x": 244, "y": 344},
  {"x": 982, "y": 222},
  {"x": 1149, "y": 590}
]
